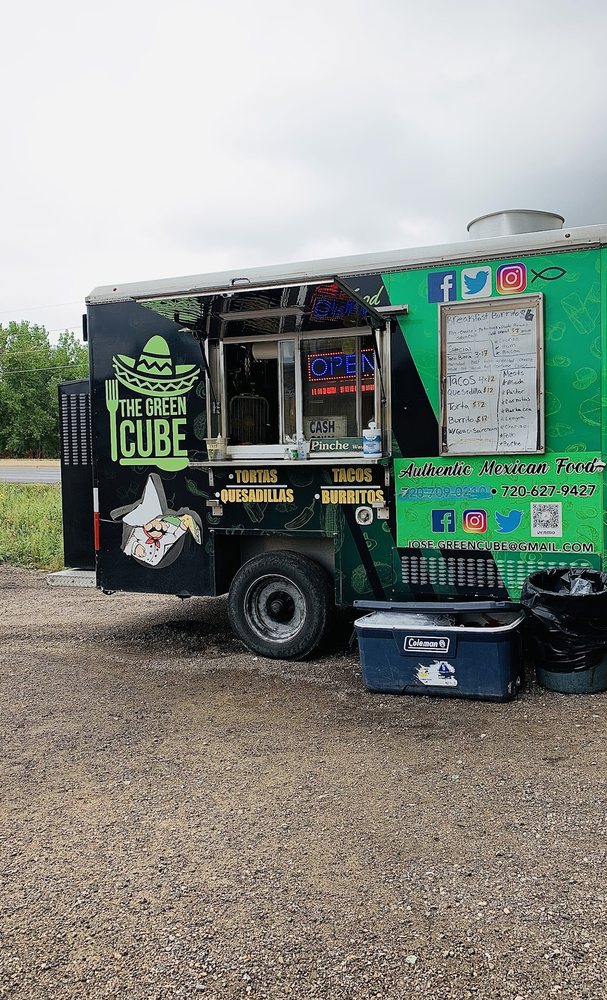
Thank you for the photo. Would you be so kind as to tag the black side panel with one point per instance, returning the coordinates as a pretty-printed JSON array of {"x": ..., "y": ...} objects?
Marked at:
[
  {"x": 133, "y": 412},
  {"x": 414, "y": 425},
  {"x": 76, "y": 474}
]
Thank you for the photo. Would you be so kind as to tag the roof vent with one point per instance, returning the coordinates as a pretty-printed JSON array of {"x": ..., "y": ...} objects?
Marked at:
[{"x": 513, "y": 221}]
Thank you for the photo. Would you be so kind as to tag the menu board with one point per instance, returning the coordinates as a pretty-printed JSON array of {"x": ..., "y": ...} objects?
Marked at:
[{"x": 491, "y": 378}]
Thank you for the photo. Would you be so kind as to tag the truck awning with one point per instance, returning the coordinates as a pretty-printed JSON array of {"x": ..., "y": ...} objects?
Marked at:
[{"x": 245, "y": 310}]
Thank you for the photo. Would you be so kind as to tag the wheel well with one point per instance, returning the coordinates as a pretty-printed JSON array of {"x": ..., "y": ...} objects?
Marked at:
[{"x": 231, "y": 551}]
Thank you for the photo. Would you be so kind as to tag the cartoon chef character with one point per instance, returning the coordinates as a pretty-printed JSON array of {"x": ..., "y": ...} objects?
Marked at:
[{"x": 151, "y": 529}]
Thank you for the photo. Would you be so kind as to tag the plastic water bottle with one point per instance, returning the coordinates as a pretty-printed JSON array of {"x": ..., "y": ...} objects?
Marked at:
[{"x": 301, "y": 449}]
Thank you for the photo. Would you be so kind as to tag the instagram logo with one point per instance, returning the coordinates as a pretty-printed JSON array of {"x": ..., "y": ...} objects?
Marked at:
[
  {"x": 474, "y": 521},
  {"x": 511, "y": 278}
]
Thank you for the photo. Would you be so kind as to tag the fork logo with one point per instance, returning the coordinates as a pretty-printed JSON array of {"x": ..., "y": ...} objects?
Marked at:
[{"x": 148, "y": 423}]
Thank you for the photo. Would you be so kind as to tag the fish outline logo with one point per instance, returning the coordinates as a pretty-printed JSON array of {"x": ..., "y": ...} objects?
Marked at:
[
  {"x": 476, "y": 282},
  {"x": 508, "y": 522},
  {"x": 545, "y": 275}
]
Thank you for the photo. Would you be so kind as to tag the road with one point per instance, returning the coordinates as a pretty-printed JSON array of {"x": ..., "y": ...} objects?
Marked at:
[
  {"x": 181, "y": 819},
  {"x": 29, "y": 473}
]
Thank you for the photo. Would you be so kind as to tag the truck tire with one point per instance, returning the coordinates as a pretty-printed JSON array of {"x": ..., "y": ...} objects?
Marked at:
[{"x": 279, "y": 605}]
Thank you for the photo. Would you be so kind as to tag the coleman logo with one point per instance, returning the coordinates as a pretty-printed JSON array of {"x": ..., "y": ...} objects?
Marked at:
[
  {"x": 426, "y": 644},
  {"x": 149, "y": 428}
]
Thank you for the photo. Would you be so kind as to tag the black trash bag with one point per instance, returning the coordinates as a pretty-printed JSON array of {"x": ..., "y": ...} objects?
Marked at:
[{"x": 566, "y": 627}]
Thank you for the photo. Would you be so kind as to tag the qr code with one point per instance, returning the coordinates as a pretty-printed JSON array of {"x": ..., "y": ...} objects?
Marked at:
[{"x": 546, "y": 520}]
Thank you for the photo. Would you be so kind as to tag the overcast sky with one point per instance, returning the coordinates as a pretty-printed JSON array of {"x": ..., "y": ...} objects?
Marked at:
[{"x": 147, "y": 139}]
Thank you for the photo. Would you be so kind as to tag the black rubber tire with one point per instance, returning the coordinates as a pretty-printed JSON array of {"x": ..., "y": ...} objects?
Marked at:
[{"x": 279, "y": 605}]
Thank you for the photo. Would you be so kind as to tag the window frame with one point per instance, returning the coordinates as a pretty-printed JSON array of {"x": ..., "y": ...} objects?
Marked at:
[{"x": 298, "y": 339}]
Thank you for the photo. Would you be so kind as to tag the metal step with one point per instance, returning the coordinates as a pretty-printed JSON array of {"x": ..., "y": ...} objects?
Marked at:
[{"x": 72, "y": 578}]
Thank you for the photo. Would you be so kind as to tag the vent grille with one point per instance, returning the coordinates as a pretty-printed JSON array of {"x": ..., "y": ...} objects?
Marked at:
[
  {"x": 453, "y": 571},
  {"x": 75, "y": 429},
  {"x": 459, "y": 572}
]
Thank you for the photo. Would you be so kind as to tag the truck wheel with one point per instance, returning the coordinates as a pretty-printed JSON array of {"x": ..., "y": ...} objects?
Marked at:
[{"x": 279, "y": 605}]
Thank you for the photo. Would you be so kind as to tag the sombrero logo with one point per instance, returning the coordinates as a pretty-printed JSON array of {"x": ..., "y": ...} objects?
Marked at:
[{"x": 149, "y": 428}]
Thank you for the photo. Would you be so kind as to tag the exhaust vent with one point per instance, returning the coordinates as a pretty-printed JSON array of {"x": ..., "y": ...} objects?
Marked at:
[{"x": 513, "y": 221}]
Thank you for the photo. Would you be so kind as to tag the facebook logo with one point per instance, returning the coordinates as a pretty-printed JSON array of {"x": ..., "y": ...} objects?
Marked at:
[
  {"x": 441, "y": 286},
  {"x": 443, "y": 520}
]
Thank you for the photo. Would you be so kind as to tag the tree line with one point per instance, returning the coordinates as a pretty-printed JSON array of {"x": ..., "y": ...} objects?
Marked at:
[{"x": 30, "y": 370}]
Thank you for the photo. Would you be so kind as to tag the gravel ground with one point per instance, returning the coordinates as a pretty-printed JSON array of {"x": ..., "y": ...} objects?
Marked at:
[{"x": 181, "y": 819}]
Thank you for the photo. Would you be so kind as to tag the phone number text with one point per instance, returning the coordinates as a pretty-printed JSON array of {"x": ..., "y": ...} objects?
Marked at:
[{"x": 574, "y": 490}]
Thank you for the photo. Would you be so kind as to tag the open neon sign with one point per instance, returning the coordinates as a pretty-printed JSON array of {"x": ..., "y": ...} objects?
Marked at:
[{"x": 337, "y": 365}]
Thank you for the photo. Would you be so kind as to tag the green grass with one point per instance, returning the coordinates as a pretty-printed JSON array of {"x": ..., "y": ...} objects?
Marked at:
[{"x": 30, "y": 526}]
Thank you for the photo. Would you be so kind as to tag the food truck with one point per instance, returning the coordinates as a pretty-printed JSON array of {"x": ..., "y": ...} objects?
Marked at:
[{"x": 414, "y": 425}]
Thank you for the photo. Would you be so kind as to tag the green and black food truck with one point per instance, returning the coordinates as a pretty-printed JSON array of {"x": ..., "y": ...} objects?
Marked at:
[{"x": 415, "y": 425}]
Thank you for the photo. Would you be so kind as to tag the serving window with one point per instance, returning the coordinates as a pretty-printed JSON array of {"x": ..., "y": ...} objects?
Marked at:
[
  {"x": 285, "y": 365},
  {"x": 316, "y": 388},
  {"x": 295, "y": 364}
]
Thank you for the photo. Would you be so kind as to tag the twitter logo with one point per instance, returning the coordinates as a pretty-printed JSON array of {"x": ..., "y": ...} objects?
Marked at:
[
  {"x": 476, "y": 282},
  {"x": 508, "y": 522}
]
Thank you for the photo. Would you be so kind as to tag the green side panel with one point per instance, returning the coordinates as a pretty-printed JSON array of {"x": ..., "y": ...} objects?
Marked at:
[
  {"x": 571, "y": 285},
  {"x": 524, "y": 521},
  {"x": 548, "y": 504}
]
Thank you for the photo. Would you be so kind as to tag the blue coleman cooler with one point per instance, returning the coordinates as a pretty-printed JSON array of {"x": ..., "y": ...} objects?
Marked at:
[{"x": 465, "y": 650}]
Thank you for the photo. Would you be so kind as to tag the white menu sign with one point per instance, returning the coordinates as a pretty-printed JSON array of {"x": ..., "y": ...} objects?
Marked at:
[{"x": 491, "y": 377}]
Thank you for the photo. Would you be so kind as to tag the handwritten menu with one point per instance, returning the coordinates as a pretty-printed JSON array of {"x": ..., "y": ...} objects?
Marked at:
[{"x": 490, "y": 385}]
